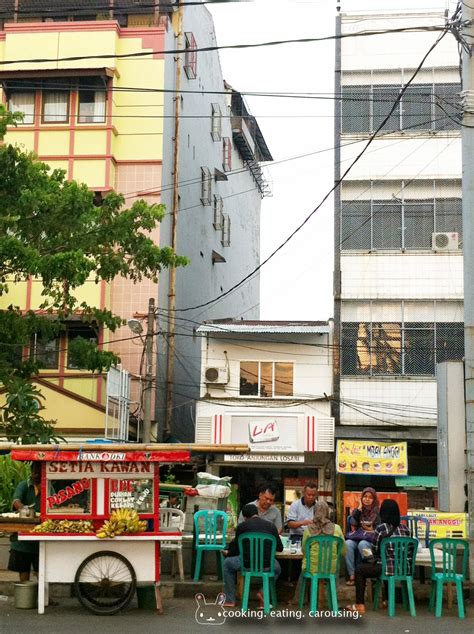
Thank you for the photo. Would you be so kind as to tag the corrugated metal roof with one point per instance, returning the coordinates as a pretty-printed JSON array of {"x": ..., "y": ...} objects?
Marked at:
[{"x": 277, "y": 327}]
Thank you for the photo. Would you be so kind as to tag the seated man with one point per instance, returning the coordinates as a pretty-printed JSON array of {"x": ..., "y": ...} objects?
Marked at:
[{"x": 252, "y": 524}]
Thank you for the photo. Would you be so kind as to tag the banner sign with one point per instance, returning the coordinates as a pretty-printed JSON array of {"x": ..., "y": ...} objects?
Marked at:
[
  {"x": 442, "y": 524},
  {"x": 373, "y": 458},
  {"x": 264, "y": 457}
]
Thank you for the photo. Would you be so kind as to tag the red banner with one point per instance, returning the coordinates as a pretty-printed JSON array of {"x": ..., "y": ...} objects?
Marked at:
[{"x": 88, "y": 455}]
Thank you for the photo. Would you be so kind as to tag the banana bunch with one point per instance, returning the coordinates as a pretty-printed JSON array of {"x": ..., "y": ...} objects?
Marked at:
[
  {"x": 121, "y": 521},
  {"x": 64, "y": 526}
]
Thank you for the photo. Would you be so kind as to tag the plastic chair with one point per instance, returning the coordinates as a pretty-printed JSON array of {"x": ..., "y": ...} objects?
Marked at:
[
  {"x": 255, "y": 546},
  {"x": 413, "y": 521},
  {"x": 447, "y": 573},
  {"x": 212, "y": 537},
  {"x": 173, "y": 520},
  {"x": 326, "y": 550},
  {"x": 403, "y": 553}
]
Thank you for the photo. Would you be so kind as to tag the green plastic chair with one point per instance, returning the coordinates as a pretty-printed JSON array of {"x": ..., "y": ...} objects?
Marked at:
[
  {"x": 404, "y": 556},
  {"x": 447, "y": 573},
  {"x": 255, "y": 545},
  {"x": 327, "y": 549},
  {"x": 210, "y": 528}
]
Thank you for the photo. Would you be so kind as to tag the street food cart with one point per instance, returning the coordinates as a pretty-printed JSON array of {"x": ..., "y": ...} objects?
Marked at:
[{"x": 85, "y": 485}]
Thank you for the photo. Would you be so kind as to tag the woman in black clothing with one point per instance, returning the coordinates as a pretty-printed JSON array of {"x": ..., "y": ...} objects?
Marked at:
[{"x": 390, "y": 518}]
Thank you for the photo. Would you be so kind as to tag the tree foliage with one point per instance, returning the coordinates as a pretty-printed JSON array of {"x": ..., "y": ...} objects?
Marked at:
[{"x": 51, "y": 229}]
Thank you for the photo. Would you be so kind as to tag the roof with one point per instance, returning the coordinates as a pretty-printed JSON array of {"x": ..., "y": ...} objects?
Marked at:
[{"x": 260, "y": 326}]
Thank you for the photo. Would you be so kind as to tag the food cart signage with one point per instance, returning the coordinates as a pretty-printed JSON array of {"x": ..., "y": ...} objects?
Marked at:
[
  {"x": 68, "y": 492},
  {"x": 98, "y": 467},
  {"x": 265, "y": 432},
  {"x": 377, "y": 458},
  {"x": 100, "y": 456}
]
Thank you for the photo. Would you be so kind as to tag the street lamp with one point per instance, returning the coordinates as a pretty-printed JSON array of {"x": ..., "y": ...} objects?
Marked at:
[{"x": 135, "y": 326}]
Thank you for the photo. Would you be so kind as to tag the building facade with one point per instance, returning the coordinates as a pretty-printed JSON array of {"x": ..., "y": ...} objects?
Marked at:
[
  {"x": 398, "y": 230},
  {"x": 217, "y": 222},
  {"x": 107, "y": 118},
  {"x": 269, "y": 385}
]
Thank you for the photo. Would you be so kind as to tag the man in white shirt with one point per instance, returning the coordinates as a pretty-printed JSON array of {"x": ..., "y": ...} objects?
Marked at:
[{"x": 301, "y": 511}]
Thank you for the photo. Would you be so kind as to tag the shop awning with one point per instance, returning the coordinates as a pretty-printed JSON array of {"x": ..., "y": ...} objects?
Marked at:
[{"x": 417, "y": 482}]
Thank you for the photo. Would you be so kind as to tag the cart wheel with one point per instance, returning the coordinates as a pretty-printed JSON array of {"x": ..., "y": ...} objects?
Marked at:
[{"x": 105, "y": 582}]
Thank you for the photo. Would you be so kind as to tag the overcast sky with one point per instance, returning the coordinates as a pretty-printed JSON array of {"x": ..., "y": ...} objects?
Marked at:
[{"x": 297, "y": 282}]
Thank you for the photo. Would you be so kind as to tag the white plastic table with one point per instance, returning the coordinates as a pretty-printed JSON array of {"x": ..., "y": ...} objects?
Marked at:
[{"x": 61, "y": 555}]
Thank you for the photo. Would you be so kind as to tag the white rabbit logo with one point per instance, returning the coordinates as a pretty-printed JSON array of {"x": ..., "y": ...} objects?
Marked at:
[{"x": 210, "y": 613}]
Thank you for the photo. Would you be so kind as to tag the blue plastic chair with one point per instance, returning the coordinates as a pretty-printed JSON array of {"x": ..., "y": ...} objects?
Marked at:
[
  {"x": 413, "y": 522},
  {"x": 447, "y": 572},
  {"x": 255, "y": 546},
  {"x": 326, "y": 550},
  {"x": 210, "y": 528},
  {"x": 404, "y": 556}
]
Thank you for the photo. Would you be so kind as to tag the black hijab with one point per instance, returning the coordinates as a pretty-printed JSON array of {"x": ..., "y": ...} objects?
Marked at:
[{"x": 390, "y": 513}]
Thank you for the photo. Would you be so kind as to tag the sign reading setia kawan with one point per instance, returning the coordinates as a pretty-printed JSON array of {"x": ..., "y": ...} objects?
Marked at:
[{"x": 375, "y": 458}]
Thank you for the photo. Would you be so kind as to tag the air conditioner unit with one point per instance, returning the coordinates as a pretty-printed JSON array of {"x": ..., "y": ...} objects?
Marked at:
[
  {"x": 217, "y": 376},
  {"x": 445, "y": 241}
]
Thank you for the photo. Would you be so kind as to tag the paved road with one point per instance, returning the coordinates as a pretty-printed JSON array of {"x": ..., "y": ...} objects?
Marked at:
[{"x": 70, "y": 618}]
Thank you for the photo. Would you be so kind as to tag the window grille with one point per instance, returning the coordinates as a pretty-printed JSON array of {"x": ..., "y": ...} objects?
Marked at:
[
  {"x": 399, "y": 348},
  {"x": 403, "y": 221},
  {"x": 216, "y": 119},
  {"x": 218, "y": 213},
  {"x": 190, "y": 56},
  {"x": 433, "y": 107},
  {"x": 225, "y": 241},
  {"x": 226, "y": 154},
  {"x": 206, "y": 186}
]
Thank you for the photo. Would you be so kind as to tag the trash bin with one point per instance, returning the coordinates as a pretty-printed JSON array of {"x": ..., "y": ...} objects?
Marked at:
[
  {"x": 146, "y": 597},
  {"x": 26, "y": 595}
]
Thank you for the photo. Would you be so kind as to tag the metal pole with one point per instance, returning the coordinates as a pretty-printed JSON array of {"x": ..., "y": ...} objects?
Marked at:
[
  {"x": 468, "y": 253},
  {"x": 174, "y": 235},
  {"x": 148, "y": 382}
]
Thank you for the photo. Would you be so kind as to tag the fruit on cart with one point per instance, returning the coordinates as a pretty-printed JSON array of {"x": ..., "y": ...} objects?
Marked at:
[
  {"x": 121, "y": 521},
  {"x": 64, "y": 526}
]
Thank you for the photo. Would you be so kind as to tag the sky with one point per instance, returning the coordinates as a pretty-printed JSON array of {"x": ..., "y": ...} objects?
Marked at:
[{"x": 297, "y": 282}]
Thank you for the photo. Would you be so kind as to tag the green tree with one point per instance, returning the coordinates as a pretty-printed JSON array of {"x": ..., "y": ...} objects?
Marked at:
[{"x": 51, "y": 229}]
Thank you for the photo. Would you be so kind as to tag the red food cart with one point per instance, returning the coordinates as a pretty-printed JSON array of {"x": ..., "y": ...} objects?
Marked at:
[{"x": 87, "y": 484}]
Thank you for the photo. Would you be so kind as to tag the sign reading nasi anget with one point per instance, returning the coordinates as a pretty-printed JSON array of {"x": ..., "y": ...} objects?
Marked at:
[{"x": 377, "y": 458}]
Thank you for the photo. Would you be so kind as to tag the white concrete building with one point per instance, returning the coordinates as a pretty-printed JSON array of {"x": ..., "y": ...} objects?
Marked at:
[
  {"x": 398, "y": 225},
  {"x": 220, "y": 189},
  {"x": 268, "y": 384}
]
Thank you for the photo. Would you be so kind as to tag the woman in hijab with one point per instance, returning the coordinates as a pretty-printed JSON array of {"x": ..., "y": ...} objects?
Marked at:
[
  {"x": 362, "y": 523},
  {"x": 390, "y": 525},
  {"x": 321, "y": 525}
]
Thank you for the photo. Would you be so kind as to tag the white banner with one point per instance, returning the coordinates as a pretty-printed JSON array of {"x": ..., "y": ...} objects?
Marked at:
[{"x": 264, "y": 457}]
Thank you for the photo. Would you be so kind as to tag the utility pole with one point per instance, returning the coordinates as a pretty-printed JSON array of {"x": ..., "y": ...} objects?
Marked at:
[
  {"x": 174, "y": 232},
  {"x": 468, "y": 254},
  {"x": 148, "y": 380}
]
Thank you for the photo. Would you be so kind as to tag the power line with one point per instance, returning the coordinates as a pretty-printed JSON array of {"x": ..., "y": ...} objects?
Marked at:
[
  {"x": 337, "y": 183},
  {"x": 205, "y": 49}
]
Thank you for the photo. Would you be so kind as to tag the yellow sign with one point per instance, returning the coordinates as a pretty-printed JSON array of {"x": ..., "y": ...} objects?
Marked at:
[
  {"x": 442, "y": 524},
  {"x": 372, "y": 458}
]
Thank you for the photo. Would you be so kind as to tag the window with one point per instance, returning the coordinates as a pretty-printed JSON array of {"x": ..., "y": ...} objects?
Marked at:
[
  {"x": 92, "y": 100},
  {"x": 206, "y": 186},
  {"x": 45, "y": 352},
  {"x": 422, "y": 107},
  {"x": 23, "y": 101},
  {"x": 190, "y": 56},
  {"x": 266, "y": 379},
  {"x": 55, "y": 106},
  {"x": 226, "y": 154},
  {"x": 397, "y": 224},
  {"x": 218, "y": 212},
  {"x": 216, "y": 122},
  {"x": 410, "y": 348},
  {"x": 225, "y": 241},
  {"x": 73, "y": 333}
]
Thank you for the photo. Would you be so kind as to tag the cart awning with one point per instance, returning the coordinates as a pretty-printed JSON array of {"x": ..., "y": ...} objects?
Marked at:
[{"x": 417, "y": 482}]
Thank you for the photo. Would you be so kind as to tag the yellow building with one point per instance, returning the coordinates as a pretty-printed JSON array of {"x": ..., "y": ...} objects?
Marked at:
[{"x": 80, "y": 116}]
